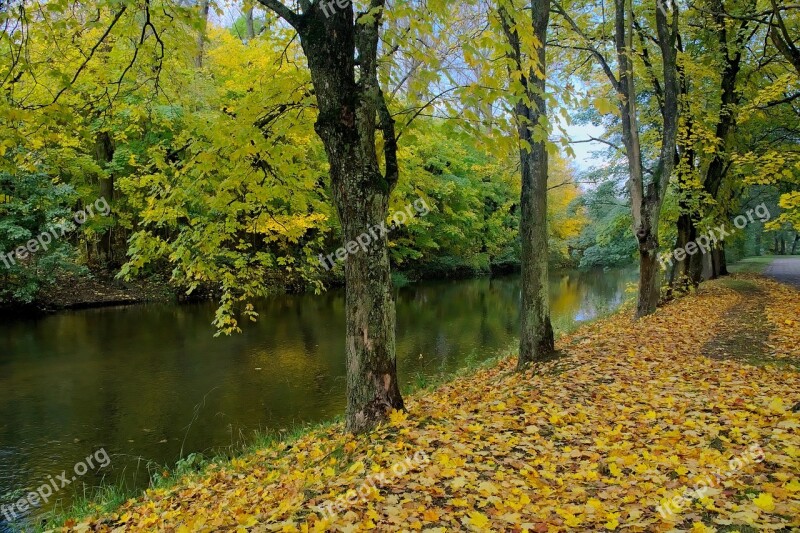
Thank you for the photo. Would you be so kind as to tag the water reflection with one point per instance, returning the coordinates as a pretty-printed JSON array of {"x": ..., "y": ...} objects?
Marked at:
[{"x": 150, "y": 382}]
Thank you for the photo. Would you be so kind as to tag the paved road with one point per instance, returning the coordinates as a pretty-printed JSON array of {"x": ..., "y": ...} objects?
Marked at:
[{"x": 785, "y": 270}]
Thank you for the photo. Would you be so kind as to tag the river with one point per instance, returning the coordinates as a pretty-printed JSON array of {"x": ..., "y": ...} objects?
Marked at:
[{"x": 150, "y": 383}]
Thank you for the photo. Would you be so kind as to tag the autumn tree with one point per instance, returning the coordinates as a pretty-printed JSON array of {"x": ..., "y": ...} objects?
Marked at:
[
  {"x": 649, "y": 171},
  {"x": 342, "y": 55},
  {"x": 527, "y": 67}
]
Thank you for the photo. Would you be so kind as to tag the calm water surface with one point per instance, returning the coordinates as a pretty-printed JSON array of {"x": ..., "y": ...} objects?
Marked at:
[{"x": 151, "y": 384}]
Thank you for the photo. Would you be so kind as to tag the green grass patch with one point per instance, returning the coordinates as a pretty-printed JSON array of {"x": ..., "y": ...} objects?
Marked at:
[{"x": 752, "y": 265}]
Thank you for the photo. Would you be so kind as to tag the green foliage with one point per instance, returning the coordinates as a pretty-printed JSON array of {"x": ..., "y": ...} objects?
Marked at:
[
  {"x": 29, "y": 205},
  {"x": 607, "y": 240}
]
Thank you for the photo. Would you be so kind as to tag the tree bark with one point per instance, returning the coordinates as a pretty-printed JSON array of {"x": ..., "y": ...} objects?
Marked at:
[
  {"x": 536, "y": 340},
  {"x": 352, "y": 108},
  {"x": 204, "y": 7},
  {"x": 104, "y": 154},
  {"x": 721, "y": 261},
  {"x": 249, "y": 25},
  {"x": 646, "y": 204}
]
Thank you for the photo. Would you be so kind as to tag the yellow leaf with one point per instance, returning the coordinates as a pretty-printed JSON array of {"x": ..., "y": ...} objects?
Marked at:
[
  {"x": 478, "y": 519},
  {"x": 397, "y": 417},
  {"x": 612, "y": 521},
  {"x": 430, "y": 515},
  {"x": 765, "y": 502}
]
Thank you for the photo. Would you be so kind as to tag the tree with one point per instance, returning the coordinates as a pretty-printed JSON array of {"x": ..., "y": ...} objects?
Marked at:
[
  {"x": 342, "y": 55},
  {"x": 647, "y": 183},
  {"x": 530, "y": 112}
]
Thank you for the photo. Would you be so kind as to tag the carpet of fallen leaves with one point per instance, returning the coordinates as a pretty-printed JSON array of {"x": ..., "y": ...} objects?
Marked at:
[
  {"x": 783, "y": 312},
  {"x": 632, "y": 415}
]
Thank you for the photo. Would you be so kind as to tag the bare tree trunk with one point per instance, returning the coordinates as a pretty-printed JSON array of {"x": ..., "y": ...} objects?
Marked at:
[
  {"x": 104, "y": 153},
  {"x": 646, "y": 204},
  {"x": 722, "y": 261},
  {"x": 536, "y": 331},
  {"x": 352, "y": 108},
  {"x": 204, "y": 7},
  {"x": 249, "y": 25},
  {"x": 794, "y": 244}
]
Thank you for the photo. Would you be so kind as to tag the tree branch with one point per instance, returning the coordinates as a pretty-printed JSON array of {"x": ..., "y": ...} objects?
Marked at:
[{"x": 282, "y": 11}]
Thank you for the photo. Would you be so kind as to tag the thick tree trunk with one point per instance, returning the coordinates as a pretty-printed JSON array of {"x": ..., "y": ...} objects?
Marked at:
[
  {"x": 536, "y": 332},
  {"x": 794, "y": 244},
  {"x": 352, "y": 109},
  {"x": 372, "y": 389},
  {"x": 686, "y": 271},
  {"x": 649, "y": 290},
  {"x": 536, "y": 339}
]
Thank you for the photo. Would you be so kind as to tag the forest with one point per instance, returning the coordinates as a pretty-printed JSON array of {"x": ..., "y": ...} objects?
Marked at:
[{"x": 230, "y": 151}]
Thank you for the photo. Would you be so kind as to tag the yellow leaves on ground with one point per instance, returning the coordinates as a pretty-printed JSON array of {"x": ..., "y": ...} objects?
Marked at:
[
  {"x": 783, "y": 312},
  {"x": 633, "y": 416},
  {"x": 765, "y": 502}
]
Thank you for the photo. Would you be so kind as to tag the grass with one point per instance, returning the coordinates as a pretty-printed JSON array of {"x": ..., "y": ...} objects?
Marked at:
[
  {"x": 107, "y": 498},
  {"x": 752, "y": 265},
  {"x": 757, "y": 264}
]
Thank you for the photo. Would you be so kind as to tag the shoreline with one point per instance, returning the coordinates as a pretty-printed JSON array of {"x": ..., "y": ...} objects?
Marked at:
[{"x": 612, "y": 356}]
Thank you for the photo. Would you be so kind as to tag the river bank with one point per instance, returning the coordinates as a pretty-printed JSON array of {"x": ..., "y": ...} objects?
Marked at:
[
  {"x": 616, "y": 433},
  {"x": 97, "y": 289}
]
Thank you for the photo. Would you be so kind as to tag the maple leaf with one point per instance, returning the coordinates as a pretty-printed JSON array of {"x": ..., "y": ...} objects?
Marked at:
[
  {"x": 478, "y": 520},
  {"x": 765, "y": 501}
]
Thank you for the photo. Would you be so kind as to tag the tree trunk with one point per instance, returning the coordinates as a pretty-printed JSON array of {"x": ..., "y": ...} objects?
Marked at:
[
  {"x": 649, "y": 290},
  {"x": 536, "y": 331},
  {"x": 794, "y": 244},
  {"x": 720, "y": 261},
  {"x": 372, "y": 389},
  {"x": 683, "y": 272},
  {"x": 249, "y": 25},
  {"x": 351, "y": 109},
  {"x": 204, "y": 7},
  {"x": 536, "y": 339},
  {"x": 104, "y": 154},
  {"x": 646, "y": 201}
]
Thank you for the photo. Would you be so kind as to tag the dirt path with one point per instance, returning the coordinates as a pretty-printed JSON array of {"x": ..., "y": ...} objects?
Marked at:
[
  {"x": 742, "y": 334},
  {"x": 786, "y": 270}
]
